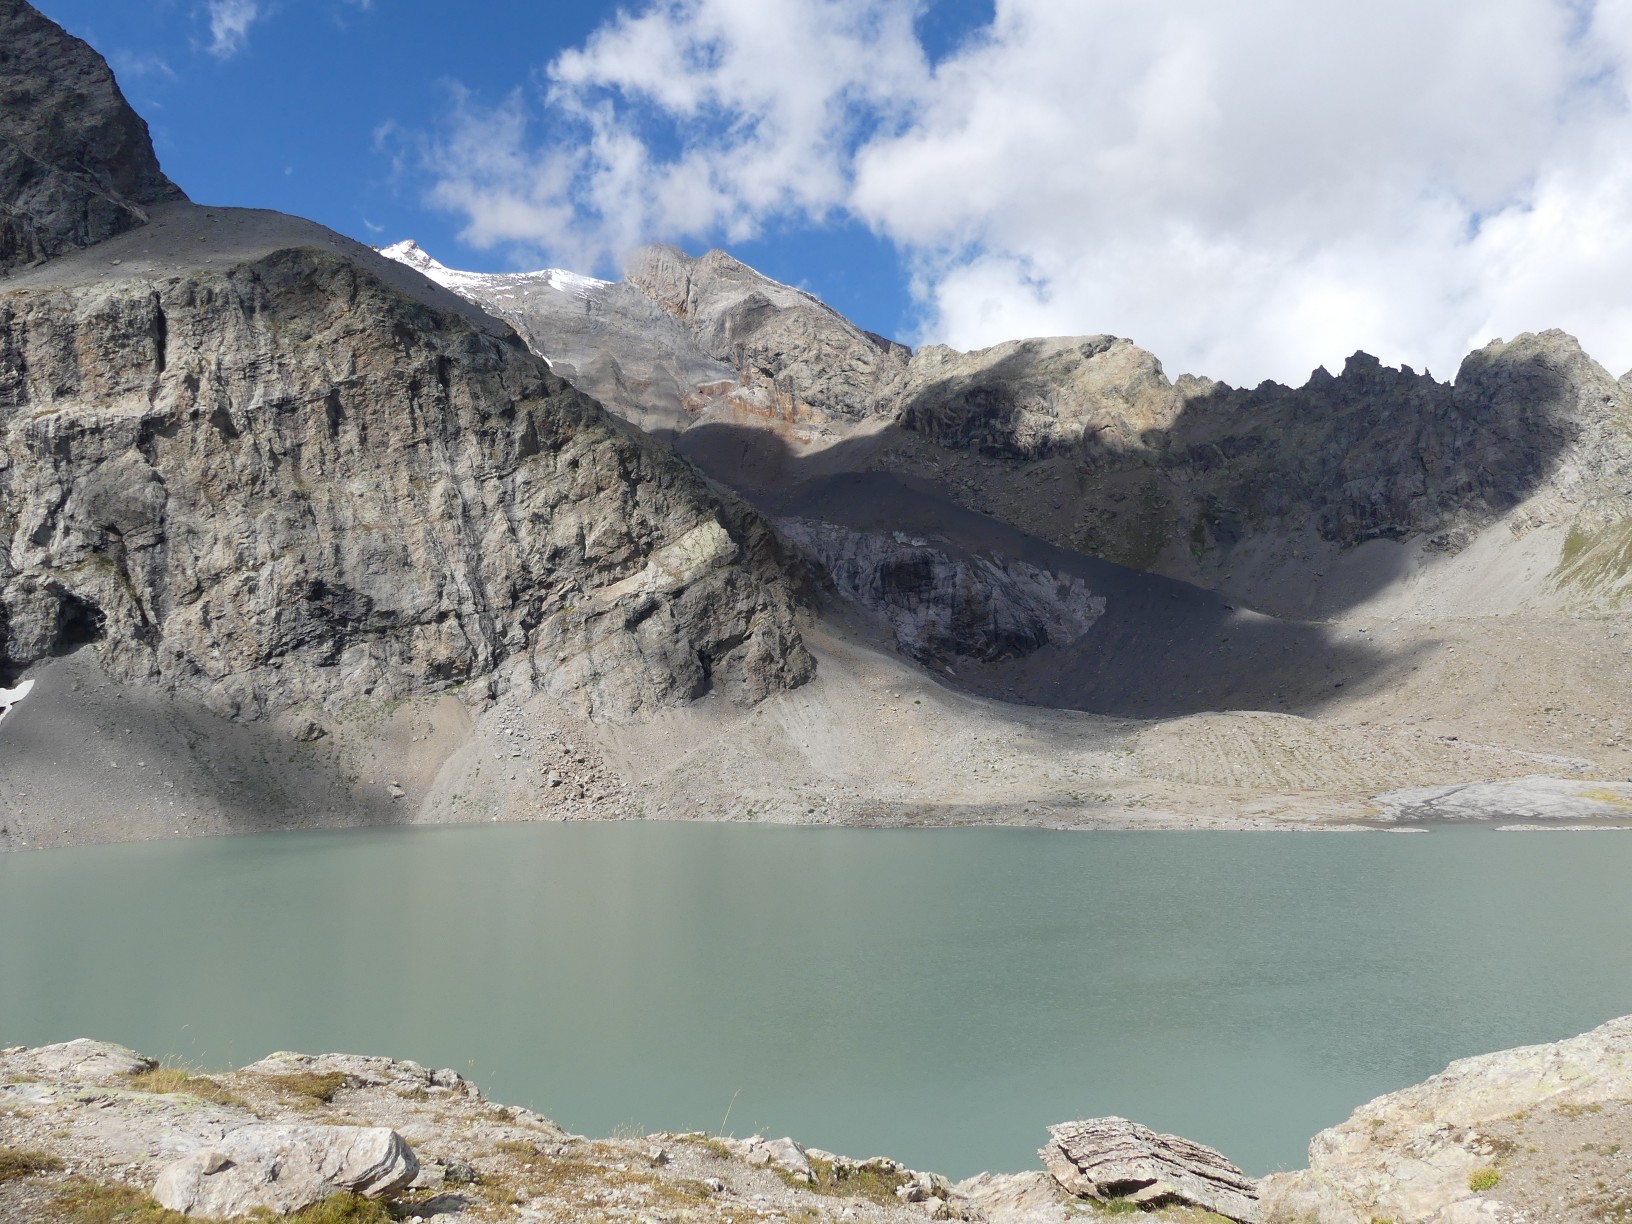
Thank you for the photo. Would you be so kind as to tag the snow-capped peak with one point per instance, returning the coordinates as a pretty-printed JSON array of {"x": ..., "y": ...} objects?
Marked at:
[{"x": 414, "y": 256}]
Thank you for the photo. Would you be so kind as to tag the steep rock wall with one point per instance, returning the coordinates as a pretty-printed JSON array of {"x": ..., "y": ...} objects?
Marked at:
[
  {"x": 284, "y": 480},
  {"x": 76, "y": 165}
]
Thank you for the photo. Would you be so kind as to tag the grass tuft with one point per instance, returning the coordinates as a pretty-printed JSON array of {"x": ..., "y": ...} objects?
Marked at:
[
  {"x": 309, "y": 1088},
  {"x": 1487, "y": 1178},
  {"x": 163, "y": 1080},
  {"x": 17, "y": 1163},
  {"x": 876, "y": 1182}
]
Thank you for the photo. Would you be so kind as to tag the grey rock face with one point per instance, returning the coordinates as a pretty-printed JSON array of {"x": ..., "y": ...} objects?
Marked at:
[
  {"x": 810, "y": 358},
  {"x": 96, "y": 1061},
  {"x": 1410, "y": 1155},
  {"x": 1113, "y": 1158},
  {"x": 76, "y": 165},
  {"x": 1548, "y": 800},
  {"x": 284, "y": 1169},
  {"x": 284, "y": 479},
  {"x": 607, "y": 339},
  {"x": 1370, "y": 453},
  {"x": 943, "y": 605}
]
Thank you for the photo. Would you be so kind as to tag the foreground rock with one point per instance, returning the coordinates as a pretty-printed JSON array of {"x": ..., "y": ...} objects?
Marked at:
[
  {"x": 102, "y": 1125},
  {"x": 1536, "y": 1133},
  {"x": 286, "y": 1169},
  {"x": 1106, "y": 1159}
]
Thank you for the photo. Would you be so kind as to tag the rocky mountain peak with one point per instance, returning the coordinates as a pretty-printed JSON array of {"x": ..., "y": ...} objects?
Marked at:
[{"x": 76, "y": 163}]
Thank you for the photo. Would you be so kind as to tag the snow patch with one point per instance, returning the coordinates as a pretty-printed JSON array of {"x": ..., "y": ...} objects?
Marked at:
[{"x": 413, "y": 255}]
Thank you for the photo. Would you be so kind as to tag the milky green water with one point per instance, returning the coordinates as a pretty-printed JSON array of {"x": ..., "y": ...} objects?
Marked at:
[{"x": 937, "y": 996}]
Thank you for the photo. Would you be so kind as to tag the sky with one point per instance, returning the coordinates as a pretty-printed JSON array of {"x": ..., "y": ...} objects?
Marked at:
[{"x": 1249, "y": 190}]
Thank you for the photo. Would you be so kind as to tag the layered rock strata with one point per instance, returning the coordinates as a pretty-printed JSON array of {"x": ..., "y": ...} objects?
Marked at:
[{"x": 253, "y": 461}]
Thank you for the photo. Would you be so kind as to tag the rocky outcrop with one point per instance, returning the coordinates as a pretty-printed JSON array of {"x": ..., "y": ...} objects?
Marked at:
[
  {"x": 283, "y": 480},
  {"x": 607, "y": 339},
  {"x": 943, "y": 604},
  {"x": 808, "y": 356},
  {"x": 1106, "y": 1159},
  {"x": 1538, "y": 1132},
  {"x": 79, "y": 1126},
  {"x": 76, "y": 165},
  {"x": 1369, "y": 453},
  {"x": 284, "y": 1169},
  {"x": 1540, "y": 800}
]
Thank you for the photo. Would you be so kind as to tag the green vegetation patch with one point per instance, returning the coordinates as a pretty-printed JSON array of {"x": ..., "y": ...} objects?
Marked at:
[
  {"x": 871, "y": 1180},
  {"x": 1487, "y": 1178},
  {"x": 16, "y": 1163},
  {"x": 88, "y": 1202},
  {"x": 1593, "y": 560}
]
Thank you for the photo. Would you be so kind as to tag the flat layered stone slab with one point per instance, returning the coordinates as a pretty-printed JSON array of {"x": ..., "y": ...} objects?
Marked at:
[{"x": 1112, "y": 1158}]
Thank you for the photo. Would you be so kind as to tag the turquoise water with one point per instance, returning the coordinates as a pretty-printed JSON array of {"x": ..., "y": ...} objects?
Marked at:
[{"x": 940, "y": 996}]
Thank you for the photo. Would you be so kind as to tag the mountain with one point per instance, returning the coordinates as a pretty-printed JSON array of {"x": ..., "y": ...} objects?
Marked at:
[
  {"x": 1415, "y": 571},
  {"x": 260, "y": 470},
  {"x": 298, "y": 534}
]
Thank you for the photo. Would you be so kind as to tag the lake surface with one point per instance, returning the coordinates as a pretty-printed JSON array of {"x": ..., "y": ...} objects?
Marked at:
[{"x": 939, "y": 996}]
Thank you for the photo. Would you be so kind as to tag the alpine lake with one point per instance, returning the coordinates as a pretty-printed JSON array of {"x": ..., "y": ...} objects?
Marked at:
[{"x": 939, "y": 996}]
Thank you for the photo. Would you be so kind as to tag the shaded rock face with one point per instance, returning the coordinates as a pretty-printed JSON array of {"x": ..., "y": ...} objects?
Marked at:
[
  {"x": 1371, "y": 453},
  {"x": 286, "y": 481},
  {"x": 1112, "y": 1158},
  {"x": 809, "y": 357},
  {"x": 76, "y": 165},
  {"x": 943, "y": 606}
]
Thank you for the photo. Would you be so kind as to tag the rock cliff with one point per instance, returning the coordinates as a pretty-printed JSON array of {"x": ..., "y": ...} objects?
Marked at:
[
  {"x": 254, "y": 461},
  {"x": 76, "y": 165}
]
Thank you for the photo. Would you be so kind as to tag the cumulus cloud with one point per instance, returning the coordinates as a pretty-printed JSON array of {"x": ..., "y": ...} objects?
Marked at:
[
  {"x": 1249, "y": 190},
  {"x": 229, "y": 25}
]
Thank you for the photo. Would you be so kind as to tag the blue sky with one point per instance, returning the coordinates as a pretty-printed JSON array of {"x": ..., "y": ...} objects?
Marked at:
[
  {"x": 1248, "y": 190},
  {"x": 316, "y": 111}
]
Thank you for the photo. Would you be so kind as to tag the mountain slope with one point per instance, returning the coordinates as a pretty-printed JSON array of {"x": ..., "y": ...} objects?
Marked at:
[
  {"x": 254, "y": 469},
  {"x": 76, "y": 165}
]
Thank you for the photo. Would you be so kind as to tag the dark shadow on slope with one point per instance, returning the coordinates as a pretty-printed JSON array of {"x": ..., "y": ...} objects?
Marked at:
[
  {"x": 1372, "y": 454},
  {"x": 97, "y": 759},
  {"x": 1160, "y": 649}
]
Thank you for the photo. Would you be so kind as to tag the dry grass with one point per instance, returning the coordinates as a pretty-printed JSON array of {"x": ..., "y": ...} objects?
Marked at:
[
  {"x": 308, "y": 1089},
  {"x": 178, "y": 1079},
  {"x": 875, "y": 1182},
  {"x": 18, "y": 1163},
  {"x": 580, "y": 1182},
  {"x": 87, "y": 1202}
]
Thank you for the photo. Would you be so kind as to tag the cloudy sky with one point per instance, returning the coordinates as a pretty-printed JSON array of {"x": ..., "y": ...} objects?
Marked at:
[{"x": 1249, "y": 190}]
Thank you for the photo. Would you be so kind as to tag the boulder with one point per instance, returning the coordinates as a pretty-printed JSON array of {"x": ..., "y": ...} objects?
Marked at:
[
  {"x": 284, "y": 1169},
  {"x": 1412, "y": 1155},
  {"x": 1112, "y": 1158},
  {"x": 1032, "y": 1197},
  {"x": 84, "y": 1059}
]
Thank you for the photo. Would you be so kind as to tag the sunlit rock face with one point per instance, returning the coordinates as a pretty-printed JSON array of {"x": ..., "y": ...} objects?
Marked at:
[{"x": 255, "y": 461}]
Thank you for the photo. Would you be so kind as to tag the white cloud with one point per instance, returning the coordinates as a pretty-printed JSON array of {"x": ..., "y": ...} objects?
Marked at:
[
  {"x": 229, "y": 25},
  {"x": 1248, "y": 190}
]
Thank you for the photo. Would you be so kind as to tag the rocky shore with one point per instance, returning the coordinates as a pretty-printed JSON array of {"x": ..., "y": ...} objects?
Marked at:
[{"x": 92, "y": 1133}]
